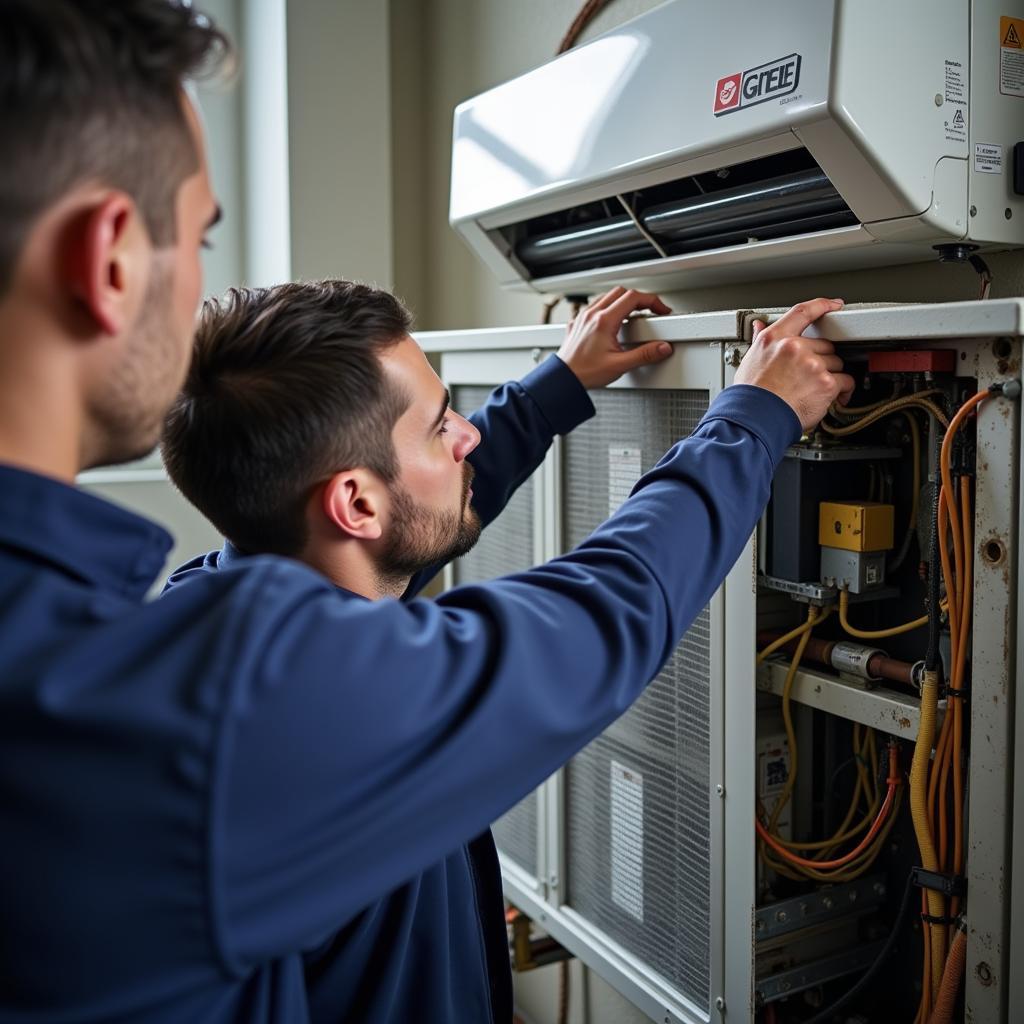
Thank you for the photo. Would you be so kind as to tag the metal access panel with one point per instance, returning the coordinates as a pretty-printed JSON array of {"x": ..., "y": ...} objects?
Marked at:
[
  {"x": 506, "y": 546},
  {"x": 637, "y": 800}
]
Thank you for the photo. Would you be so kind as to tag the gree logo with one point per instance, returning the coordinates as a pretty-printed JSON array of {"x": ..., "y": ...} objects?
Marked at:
[{"x": 757, "y": 85}]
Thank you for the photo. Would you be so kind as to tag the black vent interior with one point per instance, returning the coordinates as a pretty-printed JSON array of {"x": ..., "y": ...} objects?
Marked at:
[{"x": 772, "y": 197}]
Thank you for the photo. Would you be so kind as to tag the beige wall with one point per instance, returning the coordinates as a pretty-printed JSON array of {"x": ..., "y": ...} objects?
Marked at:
[{"x": 339, "y": 101}]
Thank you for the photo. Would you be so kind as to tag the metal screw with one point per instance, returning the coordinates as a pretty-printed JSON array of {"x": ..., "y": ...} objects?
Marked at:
[
  {"x": 826, "y": 902},
  {"x": 781, "y": 917},
  {"x": 553, "y": 880},
  {"x": 973, "y": 211},
  {"x": 535, "y": 354},
  {"x": 720, "y": 1004},
  {"x": 879, "y": 889},
  {"x": 938, "y": 99},
  {"x": 720, "y": 789},
  {"x": 984, "y": 973},
  {"x": 853, "y": 895}
]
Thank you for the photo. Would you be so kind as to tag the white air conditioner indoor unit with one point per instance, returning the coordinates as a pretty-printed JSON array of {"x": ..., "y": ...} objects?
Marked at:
[{"x": 704, "y": 142}]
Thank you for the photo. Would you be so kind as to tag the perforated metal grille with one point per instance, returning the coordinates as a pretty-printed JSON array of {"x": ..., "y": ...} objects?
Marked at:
[
  {"x": 505, "y": 546},
  {"x": 638, "y": 825}
]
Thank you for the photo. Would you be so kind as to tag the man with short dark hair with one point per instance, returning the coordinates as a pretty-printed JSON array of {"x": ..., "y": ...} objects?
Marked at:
[{"x": 199, "y": 795}]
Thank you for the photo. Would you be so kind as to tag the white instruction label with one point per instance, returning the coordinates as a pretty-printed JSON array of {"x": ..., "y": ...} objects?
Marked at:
[
  {"x": 627, "y": 853},
  {"x": 955, "y": 94},
  {"x": 624, "y": 462},
  {"x": 1011, "y": 56},
  {"x": 988, "y": 157}
]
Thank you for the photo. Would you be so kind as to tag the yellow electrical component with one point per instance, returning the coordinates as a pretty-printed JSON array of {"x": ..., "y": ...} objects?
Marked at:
[{"x": 856, "y": 525}]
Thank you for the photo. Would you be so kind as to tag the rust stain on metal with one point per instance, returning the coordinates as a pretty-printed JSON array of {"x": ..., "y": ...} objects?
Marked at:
[{"x": 904, "y": 723}]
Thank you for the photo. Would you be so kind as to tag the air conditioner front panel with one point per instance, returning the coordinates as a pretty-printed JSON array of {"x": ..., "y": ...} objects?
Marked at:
[
  {"x": 886, "y": 101},
  {"x": 638, "y": 850}
]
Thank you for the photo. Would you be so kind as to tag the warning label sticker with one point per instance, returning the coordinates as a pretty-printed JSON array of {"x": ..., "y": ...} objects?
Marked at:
[
  {"x": 955, "y": 122},
  {"x": 627, "y": 840},
  {"x": 1011, "y": 56},
  {"x": 624, "y": 469},
  {"x": 988, "y": 158}
]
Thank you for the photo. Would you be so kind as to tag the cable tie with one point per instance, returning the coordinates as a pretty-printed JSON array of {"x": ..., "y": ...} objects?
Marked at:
[
  {"x": 933, "y": 919},
  {"x": 948, "y": 885},
  {"x": 960, "y": 693}
]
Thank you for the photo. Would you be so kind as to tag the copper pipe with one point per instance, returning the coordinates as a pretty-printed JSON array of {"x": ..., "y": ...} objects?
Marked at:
[{"x": 879, "y": 666}]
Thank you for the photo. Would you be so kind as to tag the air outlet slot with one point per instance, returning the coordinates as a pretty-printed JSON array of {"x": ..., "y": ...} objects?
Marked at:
[{"x": 778, "y": 196}]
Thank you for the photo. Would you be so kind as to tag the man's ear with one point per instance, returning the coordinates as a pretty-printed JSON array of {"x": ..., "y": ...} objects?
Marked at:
[
  {"x": 353, "y": 500},
  {"x": 108, "y": 262}
]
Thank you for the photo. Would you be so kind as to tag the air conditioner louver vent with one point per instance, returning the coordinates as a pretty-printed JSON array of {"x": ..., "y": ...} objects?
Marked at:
[{"x": 778, "y": 196}]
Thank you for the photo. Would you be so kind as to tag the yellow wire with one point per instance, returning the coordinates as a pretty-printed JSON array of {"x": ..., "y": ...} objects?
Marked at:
[
  {"x": 876, "y": 634},
  {"x": 918, "y": 399},
  {"x": 813, "y": 616},
  {"x": 858, "y": 866},
  {"x": 852, "y": 870},
  {"x": 864, "y": 779},
  {"x": 793, "y": 634}
]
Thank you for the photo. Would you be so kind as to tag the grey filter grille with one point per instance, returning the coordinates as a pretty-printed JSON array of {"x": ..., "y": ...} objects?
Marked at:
[
  {"x": 638, "y": 814},
  {"x": 506, "y": 546}
]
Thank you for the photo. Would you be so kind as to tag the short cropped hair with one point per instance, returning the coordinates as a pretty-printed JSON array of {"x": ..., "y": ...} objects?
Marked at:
[
  {"x": 285, "y": 389},
  {"x": 90, "y": 90}
]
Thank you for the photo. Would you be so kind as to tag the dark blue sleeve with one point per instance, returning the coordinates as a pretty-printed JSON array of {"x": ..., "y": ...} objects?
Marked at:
[
  {"x": 517, "y": 425},
  {"x": 363, "y": 741}
]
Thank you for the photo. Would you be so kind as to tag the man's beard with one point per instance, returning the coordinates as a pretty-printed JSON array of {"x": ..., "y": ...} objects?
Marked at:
[
  {"x": 421, "y": 537},
  {"x": 127, "y": 416}
]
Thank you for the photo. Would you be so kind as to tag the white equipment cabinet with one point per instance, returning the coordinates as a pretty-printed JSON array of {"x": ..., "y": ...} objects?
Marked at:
[{"x": 640, "y": 855}]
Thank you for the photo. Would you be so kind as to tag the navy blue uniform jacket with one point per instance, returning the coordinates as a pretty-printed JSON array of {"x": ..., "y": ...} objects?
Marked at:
[{"x": 202, "y": 796}]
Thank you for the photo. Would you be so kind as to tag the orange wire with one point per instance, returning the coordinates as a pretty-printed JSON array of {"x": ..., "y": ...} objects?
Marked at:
[
  {"x": 894, "y": 781},
  {"x": 947, "y": 569},
  {"x": 959, "y": 596},
  {"x": 957, "y": 707},
  {"x": 947, "y": 476}
]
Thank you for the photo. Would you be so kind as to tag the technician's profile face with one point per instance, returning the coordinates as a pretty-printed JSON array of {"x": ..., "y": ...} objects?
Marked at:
[{"x": 431, "y": 440}]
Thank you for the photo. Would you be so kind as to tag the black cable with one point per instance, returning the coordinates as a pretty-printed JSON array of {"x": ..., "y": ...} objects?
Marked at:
[{"x": 824, "y": 1015}]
